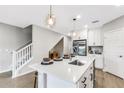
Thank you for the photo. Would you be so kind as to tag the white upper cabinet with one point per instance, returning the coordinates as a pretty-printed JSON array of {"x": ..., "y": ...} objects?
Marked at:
[
  {"x": 80, "y": 35},
  {"x": 95, "y": 37},
  {"x": 91, "y": 38}
]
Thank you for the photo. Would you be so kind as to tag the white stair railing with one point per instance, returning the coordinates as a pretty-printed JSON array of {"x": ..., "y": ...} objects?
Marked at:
[{"x": 20, "y": 58}]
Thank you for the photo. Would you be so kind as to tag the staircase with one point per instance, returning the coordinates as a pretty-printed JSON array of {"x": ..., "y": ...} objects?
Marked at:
[{"x": 21, "y": 57}]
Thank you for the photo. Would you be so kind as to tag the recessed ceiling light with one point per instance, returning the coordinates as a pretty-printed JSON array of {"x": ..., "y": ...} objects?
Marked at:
[
  {"x": 69, "y": 34},
  {"x": 74, "y": 34},
  {"x": 78, "y": 16},
  {"x": 86, "y": 26}
]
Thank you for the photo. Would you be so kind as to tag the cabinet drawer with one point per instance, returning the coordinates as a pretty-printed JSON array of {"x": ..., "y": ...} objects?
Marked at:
[{"x": 83, "y": 85}]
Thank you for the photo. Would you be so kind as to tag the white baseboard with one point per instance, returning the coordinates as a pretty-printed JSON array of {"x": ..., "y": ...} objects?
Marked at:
[
  {"x": 19, "y": 75},
  {"x": 104, "y": 70},
  {"x": 7, "y": 70}
]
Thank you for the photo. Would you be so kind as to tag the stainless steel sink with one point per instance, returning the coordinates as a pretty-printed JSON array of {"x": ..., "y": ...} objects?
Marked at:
[{"x": 76, "y": 62}]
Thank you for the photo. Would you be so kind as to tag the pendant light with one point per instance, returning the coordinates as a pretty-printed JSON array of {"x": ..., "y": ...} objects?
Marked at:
[
  {"x": 73, "y": 33},
  {"x": 51, "y": 20}
]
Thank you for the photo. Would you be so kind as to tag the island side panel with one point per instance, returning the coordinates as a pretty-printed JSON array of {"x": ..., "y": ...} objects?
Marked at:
[
  {"x": 42, "y": 80},
  {"x": 49, "y": 81}
]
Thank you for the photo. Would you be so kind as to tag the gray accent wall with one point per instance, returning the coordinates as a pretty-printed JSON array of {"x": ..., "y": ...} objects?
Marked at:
[
  {"x": 11, "y": 38},
  {"x": 28, "y": 31}
]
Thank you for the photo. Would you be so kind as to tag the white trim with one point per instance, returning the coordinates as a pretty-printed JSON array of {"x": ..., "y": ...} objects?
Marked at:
[
  {"x": 25, "y": 64},
  {"x": 5, "y": 70},
  {"x": 104, "y": 70},
  {"x": 18, "y": 59},
  {"x": 116, "y": 29},
  {"x": 23, "y": 73}
]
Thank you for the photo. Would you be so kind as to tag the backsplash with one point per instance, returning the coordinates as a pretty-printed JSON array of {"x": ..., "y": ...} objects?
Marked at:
[{"x": 95, "y": 49}]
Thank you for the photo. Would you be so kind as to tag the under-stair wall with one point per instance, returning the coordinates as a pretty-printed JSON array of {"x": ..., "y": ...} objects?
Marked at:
[
  {"x": 44, "y": 40},
  {"x": 57, "y": 50}
]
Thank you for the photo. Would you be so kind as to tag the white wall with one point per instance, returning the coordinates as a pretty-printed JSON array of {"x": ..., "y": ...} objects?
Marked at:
[
  {"x": 11, "y": 38},
  {"x": 67, "y": 45},
  {"x": 115, "y": 24},
  {"x": 44, "y": 40}
]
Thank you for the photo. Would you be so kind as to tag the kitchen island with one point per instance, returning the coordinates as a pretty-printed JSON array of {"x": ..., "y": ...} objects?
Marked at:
[{"x": 61, "y": 74}]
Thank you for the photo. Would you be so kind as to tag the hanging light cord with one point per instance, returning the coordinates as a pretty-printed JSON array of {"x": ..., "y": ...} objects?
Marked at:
[
  {"x": 50, "y": 11},
  {"x": 74, "y": 24}
]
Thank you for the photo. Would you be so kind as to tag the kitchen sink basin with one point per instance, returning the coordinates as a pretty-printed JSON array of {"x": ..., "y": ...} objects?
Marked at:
[{"x": 76, "y": 62}]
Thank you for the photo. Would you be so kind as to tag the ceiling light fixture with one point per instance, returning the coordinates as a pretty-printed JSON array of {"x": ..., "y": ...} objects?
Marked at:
[
  {"x": 86, "y": 26},
  {"x": 69, "y": 34},
  {"x": 74, "y": 27},
  {"x": 51, "y": 20},
  {"x": 78, "y": 16},
  {"x": 73, "y": 33}
]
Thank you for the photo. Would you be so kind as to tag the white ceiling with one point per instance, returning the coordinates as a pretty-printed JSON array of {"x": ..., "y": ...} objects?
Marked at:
[{"x": 23, "y": 16}]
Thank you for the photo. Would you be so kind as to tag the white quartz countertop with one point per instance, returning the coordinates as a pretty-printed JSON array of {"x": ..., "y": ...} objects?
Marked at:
[{"x": 65, "y": 71}]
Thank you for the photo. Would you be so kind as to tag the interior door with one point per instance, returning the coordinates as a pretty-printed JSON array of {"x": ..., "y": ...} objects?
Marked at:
[{"x": 114, "y": 52}]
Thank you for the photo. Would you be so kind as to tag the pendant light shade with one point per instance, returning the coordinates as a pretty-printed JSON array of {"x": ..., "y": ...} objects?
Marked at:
[{"x": 51, "y": 20}]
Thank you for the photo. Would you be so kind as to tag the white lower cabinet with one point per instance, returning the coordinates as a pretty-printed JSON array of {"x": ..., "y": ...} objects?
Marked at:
[
  {"x": 98, "y": 61},
  {"x": 87, "y": 79}
]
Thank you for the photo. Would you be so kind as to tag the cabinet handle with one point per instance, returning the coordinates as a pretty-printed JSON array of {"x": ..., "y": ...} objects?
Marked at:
[
  {"x": 85, "y": 85},
  {"x": 84, "y": 80}
]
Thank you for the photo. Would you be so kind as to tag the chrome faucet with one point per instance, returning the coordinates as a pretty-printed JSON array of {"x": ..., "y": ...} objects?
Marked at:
[{"x": 70, "y": 58}]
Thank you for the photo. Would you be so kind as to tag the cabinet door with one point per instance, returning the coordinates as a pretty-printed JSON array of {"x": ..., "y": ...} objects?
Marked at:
[
  {"x": 111, "y": 63},
  {"x": 90, "y": 77},
  {"x": 95, "y": 37},
  {"x": 121, "y": 66},
  {"x": 86, "y": 80},
  {"x": 99, "y": 61},
  {"x": 98, "y": 37},
  {"x": 91, "y": 38},
  {"x": 83, "y": 81}
]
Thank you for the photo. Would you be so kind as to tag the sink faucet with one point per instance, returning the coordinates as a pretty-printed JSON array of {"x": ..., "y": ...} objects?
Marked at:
[{"x": 70, "y": 58}]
